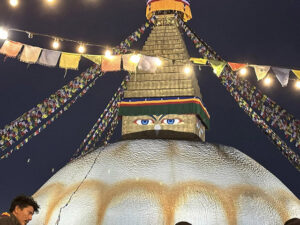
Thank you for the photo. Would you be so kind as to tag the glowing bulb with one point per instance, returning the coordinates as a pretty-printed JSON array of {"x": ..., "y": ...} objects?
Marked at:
[
  {"x": 81, "y": 48},
  {"x": 158, "y": 62},
  {"x": 108, "y": 54},
  {"x": 50, "y": 1},
  {"x": 243, "y": 72},
  {"x": 187, "y": 70},
  {"x": 55, "y": 44},
  {"x": 135, "y": 59},
  {"x": 267, "y": 81},
  {"x": 14, "y": 3},
  {"x": 297, "y": 85},
  {"x": 3, "y": 33}
]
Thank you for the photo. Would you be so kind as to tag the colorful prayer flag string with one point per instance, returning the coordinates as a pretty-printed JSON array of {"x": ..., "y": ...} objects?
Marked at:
[
  {"x": 110, "y": 132},
  {"x": 271, "y": 111},
  {"x": 31, "y": 120},
  {"x": 280, "y": 144},
  {"x": 100, "y": 126},
  {"x": 50, "y": 120},
  {"x": 134, "y": 37},
  {"x": 227, "y": 77}
]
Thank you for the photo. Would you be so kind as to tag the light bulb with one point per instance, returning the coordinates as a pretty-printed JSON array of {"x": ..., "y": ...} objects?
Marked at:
[
  {"x": 297, "y": 84},
  {"x": 55, "y": 44},
  {"x": 108, "y": 54},
  {"x": 3, "y": 33},
  {"x": 187, "y": 70},
  {"x": 267, "y": 81},
  {"x": 243, "y": 72},
  {"x": 158, "y": 62},
  {"x": 81, "y": 48},
  {"x": 135, "y": 59},
  {"x": 14, "y": 3}
]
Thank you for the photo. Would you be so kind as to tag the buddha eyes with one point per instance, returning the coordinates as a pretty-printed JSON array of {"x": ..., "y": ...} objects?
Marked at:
[
  {"x": 171, "y": 121},
  {"x": 144, "y": 122}
]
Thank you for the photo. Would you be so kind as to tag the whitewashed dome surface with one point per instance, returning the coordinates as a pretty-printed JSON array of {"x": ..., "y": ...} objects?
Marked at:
[{"x": 162, "y": 182}]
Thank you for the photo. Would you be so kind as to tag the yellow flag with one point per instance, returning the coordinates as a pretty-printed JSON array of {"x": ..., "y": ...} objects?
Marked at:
[
  {"x": 261, "y": 71},
  {"x": 199, "y": 61},
  {"x": 217, "y": 66},
  {"x": 94, "y": 58},
  {"x": 69, "y": 60},
  {"x": 297, "y": 73}
]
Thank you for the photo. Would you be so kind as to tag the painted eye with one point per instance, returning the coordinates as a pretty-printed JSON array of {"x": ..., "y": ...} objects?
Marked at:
[
  {"x": 171, "y": 121},
  {"x": 144, "y": 122}
]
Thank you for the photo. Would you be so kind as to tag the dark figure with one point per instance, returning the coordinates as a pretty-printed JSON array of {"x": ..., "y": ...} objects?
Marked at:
[
  {"x": 21, "y": 211},
  {"x": 183, "y": 223},
  {"x": 294, "y": 221}
]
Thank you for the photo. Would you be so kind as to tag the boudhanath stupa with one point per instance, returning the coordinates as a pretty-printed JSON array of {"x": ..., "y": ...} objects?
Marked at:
[{"x": 163, "y": 172}]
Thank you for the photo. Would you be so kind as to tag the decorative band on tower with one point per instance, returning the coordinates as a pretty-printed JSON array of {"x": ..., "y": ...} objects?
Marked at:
[
  {"x": 181, "y": 6},
  {"x": 165, "y": 105}
]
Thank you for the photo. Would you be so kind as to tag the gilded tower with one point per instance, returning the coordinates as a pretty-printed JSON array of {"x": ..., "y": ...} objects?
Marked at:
[{"x": 167, "y": 103}]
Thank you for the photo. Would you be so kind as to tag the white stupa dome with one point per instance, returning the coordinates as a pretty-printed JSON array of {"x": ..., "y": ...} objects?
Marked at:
[{"x": 162, "y": 182}]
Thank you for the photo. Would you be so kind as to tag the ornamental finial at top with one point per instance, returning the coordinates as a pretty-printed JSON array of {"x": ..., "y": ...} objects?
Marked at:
[{"x": 155, "y": 7}]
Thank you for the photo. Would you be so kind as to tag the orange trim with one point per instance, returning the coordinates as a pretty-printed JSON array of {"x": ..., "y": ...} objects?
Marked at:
[
  {"x": 5, "y": 214},
  {"x": 169, "y": 5}
]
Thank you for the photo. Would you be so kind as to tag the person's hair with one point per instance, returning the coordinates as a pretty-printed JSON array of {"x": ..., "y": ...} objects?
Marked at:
[
  {"x": 183, "y": 223},
  {"x": 23, "y": 201},
  {"x": 293, "y": 221}
]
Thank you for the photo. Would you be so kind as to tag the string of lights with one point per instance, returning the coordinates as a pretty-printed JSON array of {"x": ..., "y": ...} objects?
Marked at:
[
  {"x": 81, "y": 48},
  {"x": 56, "y": 43},
  {"x": 15, "y": 3}
]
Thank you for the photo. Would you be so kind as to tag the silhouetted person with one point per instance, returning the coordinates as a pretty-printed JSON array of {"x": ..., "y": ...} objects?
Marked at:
[
  {"x": 183, "y": 223},
  {"x": 21, "y": 211},
  {"x": 294, "y": 221}
]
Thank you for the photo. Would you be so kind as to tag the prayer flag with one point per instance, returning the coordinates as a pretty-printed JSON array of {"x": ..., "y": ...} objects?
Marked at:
[
  {"x": 30, "y": 54},
  {"x": 282, "y": 75},
  {"x": 69, "y": 61},
  {"x": 217, "y": 66},
  {"x": 148, "y": 64},
  {"x": 236, "y": 66},
  {"x": 199, "y": 61},
  {"x": 112, "y": 63},
  {"x": 137, "y": 34},
  {"x": 297, "y": 73},
  {"x": 261, "y": 71},
  {"x": 94, "y": 58},
  {"x": 127, "y": 42},
  {"x": 11, "y": 48},
  {"x": 128, "y": 64},
  {"x": 49, "y": 57}
]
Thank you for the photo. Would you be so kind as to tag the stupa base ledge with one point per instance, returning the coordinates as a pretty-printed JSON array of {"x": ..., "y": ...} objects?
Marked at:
[{"x": 163, "y": 134}]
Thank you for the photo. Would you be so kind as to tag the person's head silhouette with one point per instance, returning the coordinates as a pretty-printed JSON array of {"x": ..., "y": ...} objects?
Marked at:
[
  {"x": 183, "y": 223},
  {"x": 294, "y": 221}
]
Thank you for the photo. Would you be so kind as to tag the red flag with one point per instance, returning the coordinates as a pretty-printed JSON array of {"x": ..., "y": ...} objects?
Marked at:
[{"x": 236, "y": 66}]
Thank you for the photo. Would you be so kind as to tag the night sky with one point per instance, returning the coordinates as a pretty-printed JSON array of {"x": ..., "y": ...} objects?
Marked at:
[{"x": 250, "y": 31}]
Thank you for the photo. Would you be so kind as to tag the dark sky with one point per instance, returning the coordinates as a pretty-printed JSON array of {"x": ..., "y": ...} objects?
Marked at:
[{"x": 253, "y": 31}]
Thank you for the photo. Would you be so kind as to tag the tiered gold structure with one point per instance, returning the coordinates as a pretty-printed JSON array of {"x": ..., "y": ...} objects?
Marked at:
[
  {"x": 170, "y": 80},
  {"x": 165, "y": 41}
]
